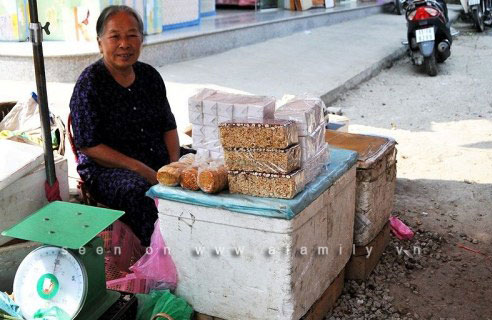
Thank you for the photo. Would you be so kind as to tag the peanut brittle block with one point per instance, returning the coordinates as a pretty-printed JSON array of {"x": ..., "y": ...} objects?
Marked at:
[
  {"x": 258, "y": 133},
  {"x": 307, "y": 113},
  {"x": 265, "y": 160},
  {"x": 269, "y": 185}
]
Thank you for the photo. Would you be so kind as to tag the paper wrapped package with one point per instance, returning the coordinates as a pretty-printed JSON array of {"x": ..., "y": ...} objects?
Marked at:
[
  {"x": 311, "y": 144},
  {"x": 252, "y": 133},
  {"x": 208, "y": 108},
  {"x": 307, "y": 113},
  {"x": 195, "y": 106},
  {"x": 238, "y": 106},
  {"x": 206, "y": 137}
]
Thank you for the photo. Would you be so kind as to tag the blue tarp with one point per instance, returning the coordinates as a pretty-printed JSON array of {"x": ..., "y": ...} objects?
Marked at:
[{"x": 340, "y": 161}]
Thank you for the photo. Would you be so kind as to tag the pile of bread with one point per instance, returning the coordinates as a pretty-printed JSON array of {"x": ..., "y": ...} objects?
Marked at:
[{"x": 210, "y": 177}]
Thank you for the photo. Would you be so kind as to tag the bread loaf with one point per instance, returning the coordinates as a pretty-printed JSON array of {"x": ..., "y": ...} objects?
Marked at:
[
  {"x": 170, "y": 175},
  {"x": 212, "y": 180},
  {"x": 189, "y": 179}
]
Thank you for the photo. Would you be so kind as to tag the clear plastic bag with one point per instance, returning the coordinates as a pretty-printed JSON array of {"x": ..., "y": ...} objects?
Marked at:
[
  {"x": 212, "y": 178},
  {"x": 312, "y": 144}
]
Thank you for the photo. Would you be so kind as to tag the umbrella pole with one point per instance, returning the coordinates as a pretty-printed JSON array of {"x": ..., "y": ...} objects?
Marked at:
[{"x": 37, "y": 48}]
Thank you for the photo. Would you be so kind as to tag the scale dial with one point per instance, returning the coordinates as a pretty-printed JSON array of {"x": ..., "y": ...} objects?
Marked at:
[{"x": 50, "y": 276}]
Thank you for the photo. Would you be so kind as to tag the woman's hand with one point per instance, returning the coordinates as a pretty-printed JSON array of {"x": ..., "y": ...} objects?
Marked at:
[{"x": 148, "y": 173}]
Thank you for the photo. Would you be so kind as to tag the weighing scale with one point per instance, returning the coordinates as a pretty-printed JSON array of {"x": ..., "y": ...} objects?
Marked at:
[{"x": 68, "y": 270}]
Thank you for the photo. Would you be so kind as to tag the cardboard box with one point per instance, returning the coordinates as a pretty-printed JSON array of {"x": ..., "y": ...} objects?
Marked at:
[{"x": 376, "y": 180}]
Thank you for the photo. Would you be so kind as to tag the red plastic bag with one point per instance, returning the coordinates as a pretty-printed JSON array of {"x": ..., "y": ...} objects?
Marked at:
[
  {"x": 400, "y": 230},
  {"x": 156, "y": 266}
]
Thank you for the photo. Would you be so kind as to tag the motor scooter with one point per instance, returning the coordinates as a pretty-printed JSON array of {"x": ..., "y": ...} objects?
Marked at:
[
  {"x": 480, "y": 12},
  {"x": 428, "y": 33}
]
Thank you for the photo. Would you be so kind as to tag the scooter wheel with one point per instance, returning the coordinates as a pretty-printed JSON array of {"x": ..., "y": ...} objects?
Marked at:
[
  {"x": 430, "y": 65},
  {"x": 478, "y": 18}
]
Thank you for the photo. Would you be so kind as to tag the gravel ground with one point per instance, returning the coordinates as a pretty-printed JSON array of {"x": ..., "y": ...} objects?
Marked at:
[{"x": 443, "y": 126}]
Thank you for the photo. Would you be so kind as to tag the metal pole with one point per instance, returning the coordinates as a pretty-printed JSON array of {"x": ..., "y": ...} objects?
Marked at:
[{"x": 44, "y": 113}]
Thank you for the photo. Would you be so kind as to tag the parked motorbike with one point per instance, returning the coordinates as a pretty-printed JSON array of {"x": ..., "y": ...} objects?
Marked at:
[
  {"x": 428, "y": 33},
  {"x": 480, "y": 12}
]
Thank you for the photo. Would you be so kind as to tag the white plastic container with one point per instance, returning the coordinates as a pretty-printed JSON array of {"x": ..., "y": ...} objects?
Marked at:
[
  {"x": 239, "y": 266},
  {"x": 26, "y": 195}
]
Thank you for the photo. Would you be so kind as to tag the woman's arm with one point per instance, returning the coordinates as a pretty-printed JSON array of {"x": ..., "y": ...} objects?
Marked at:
[
  {"x": 110, "y": 158},
  {"x": 171, "y": 140}
]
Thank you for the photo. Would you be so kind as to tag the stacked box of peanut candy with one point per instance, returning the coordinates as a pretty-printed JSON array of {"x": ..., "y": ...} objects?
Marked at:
[
  {"x": 308, "y": 116},
  {"x": 263, "y": 157},
  {"x": 208, "y": 108}
]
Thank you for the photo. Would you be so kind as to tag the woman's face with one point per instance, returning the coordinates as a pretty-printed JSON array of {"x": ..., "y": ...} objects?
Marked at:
[{"x": 121, "y": 41}]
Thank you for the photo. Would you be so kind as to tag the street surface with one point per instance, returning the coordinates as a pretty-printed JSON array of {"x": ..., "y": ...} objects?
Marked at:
[{"x": 443, "y": 126}]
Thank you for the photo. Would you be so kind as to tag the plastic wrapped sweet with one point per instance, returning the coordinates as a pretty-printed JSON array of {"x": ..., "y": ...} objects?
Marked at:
[
  {"x": 313, "y": 167},
  {"x": 265, "y": 160},
  {"x": 188, "y": 158},
  {"x": 269, "y": 185},
  {"x": 170, "y": 174},
  {"x": 229, "y": 106},
  {"x": 307, "y": 113},
  {"x": 189, "y": 179},
  {"x": 195, "y": 106},
  {"x": 205, "y": 137},
  {"x": 255, "y": 133},
  {"x": 311, "y": 144},
  {"x": 212, "y": 178}
]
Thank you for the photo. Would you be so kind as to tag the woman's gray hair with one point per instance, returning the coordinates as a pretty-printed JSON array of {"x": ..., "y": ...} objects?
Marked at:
[{"x": 108, "y": 12}]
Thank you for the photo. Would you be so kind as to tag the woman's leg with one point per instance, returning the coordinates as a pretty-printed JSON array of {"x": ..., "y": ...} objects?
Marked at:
[{"x": 124, "y": 190}]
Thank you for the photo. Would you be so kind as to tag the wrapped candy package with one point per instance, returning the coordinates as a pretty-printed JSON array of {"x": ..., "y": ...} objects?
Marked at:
[
  {"x": 269, "y": 185},
  {"x": 265, "y": 160},
  {"x": 307, "y": 113},
  {"x": 313, "y": 167},
  {"x": 252, "y": 133},
  {"x": 208, "y": 108},
  {"x": 312, "y": 143}
]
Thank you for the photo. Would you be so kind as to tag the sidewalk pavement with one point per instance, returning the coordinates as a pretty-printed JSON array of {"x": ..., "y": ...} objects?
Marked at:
[{"x": 321, "y": 62}]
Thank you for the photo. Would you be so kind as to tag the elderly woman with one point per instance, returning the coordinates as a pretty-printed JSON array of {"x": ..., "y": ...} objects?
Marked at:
[{"x": 123, "y": 127}]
